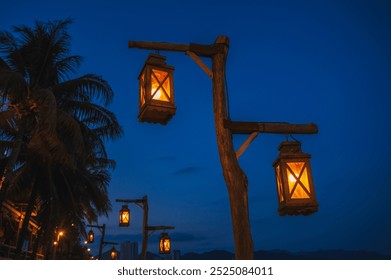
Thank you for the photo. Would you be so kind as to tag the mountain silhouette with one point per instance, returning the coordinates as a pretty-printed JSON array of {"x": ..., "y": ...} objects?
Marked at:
[{"x": 285, "y": 255}]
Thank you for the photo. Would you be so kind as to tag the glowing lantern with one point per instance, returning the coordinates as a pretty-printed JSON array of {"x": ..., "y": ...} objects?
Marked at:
[
  {"x": 164, "y": 244},
  {"x": 113, "y": 253},
  {"x": 296, "y": 194},
  {"x": 124, "y": 216},
  {"x": 90, "y": 237},
  {"x": 156, "y": 91}
]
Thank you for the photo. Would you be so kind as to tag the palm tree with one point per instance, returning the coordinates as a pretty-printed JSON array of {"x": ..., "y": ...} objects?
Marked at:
[{"x": 52, "y": 128}]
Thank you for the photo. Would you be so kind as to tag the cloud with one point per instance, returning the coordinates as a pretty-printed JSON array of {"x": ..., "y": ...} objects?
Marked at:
[{"x": 187, "y": 170}]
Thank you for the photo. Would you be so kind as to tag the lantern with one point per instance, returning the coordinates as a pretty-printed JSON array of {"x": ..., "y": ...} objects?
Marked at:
[
  {"x": 295, "y": 189},
  {"x": 124, "y": 216},
  {"x": 90, "y": 237},
  {"x": 156, "y": 91},
  {"x": 113, "y": 253},
  {"x": 164, "y": 244}
]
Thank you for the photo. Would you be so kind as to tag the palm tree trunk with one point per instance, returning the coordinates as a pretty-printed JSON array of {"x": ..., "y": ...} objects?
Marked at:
[
  {"x": 26, "y": 220},
  {"x": 7, "y": 174},
  {"x": 36, "y": 244}
]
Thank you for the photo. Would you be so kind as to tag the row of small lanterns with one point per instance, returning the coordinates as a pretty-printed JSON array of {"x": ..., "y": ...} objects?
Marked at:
[
  {"x": 296, "y": 195},
  {"x": 124, "y": 221},
  {"x": 164, "y": 239}
]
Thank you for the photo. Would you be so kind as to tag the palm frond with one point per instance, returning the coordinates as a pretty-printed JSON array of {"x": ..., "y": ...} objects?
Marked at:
[
  {"x": 67, "y": 66},
  {"x": 13, "y": 86},
  {"x": 88, "y": 88}
]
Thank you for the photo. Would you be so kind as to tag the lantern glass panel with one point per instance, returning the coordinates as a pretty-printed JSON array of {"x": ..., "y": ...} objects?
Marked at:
[
  {"x": 164, "y": 244},
  {"x": 166, "y": 87},
  {"x": 298, "y": 180},
  {"x": 125, "y": 217},
  {"x": 279, "y": 184},
  {"x": 167, "y": 245},
  {"x": 158, "y": 92}
]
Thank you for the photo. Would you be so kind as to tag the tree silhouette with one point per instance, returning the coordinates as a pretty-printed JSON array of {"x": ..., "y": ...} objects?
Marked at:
[{"x": 53, "y": 129}]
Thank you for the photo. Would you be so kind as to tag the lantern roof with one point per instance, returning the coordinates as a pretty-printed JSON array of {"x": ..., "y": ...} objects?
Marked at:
[
  {"x": 157, "y": 60},
  {"x": 290, "y": 150}
]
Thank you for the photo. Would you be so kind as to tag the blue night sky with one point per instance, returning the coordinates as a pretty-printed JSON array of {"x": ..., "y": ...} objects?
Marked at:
[{"x": 326, "y": 62}]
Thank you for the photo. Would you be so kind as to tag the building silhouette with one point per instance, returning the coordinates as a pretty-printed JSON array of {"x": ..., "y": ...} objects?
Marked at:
[{"x": 129, "y": 250}]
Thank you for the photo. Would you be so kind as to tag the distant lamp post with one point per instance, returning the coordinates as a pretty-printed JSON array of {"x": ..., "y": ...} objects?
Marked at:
[
  {"x": 147, "y": 230},
  {"x": 124, "y": 216},
  {"x": 102, "y": 229},
  {"x": 90, "y": 236},
  {"x": 295, "y": 188},
  {"x": 113, "y": 253},
  {"x": 164, "y": 243},
  {"x": 156, "y": 89}
]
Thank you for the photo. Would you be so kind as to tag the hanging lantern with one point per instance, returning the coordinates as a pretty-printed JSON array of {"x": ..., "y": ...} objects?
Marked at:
[
  {"x": 90, "y": 236},
  {"x": 296, "y": 194},
  {"x": 113, "y": 253},
  {"x": 156, "y": 90},
  {"x": 164, "y": 243},
  {"x": 124, "y": 216}
]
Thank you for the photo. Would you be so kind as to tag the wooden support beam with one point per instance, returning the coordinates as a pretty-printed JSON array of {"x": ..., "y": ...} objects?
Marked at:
[
  {"x": 198, "y": 49},
  {"x": 200, "y": 63},
  {"x": 270, "y": 127},
  {"x": 246, "y": 143}
]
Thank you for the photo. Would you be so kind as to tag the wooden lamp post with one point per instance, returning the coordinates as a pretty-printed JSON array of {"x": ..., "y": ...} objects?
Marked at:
[
  {"x": 235, "y": 178},
  {"x": 143, "y": 204},
  {"x": 102, "y": 229}
]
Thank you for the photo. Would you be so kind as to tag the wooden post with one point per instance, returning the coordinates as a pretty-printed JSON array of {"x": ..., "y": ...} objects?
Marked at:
[
  {"x": 145, "y": 231},
  {"x": 102, "y": 240},
  {"x": 234, "y": 176}
]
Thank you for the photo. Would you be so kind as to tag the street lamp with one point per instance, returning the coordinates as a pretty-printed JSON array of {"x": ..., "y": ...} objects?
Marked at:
[
  {"x": 113, "y": 253},
  {"x": 295, "y": 188},
  {"x": 90, "y": 236},
  {"x": 124, "y": 216},
  {"x": 164, "y": 243},
  {"x": 143, "y": 204},
  {"x": 156, "y": 90},
  {"x": 102, "y": 229},
  {"x": 235, "y": 177}
]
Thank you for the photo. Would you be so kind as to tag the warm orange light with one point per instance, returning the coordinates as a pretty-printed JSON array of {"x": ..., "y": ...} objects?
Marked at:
[
  {"x": 90, "y": 236},
  {"x": 156, "y": 91},
  {"x": 164, "y": 244},
  {"x": 124, "y": 216},
  {"x": 113, "y": 254},
  {"x": 160, "y": 85},
  {"x": 296, "y": 195}
]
